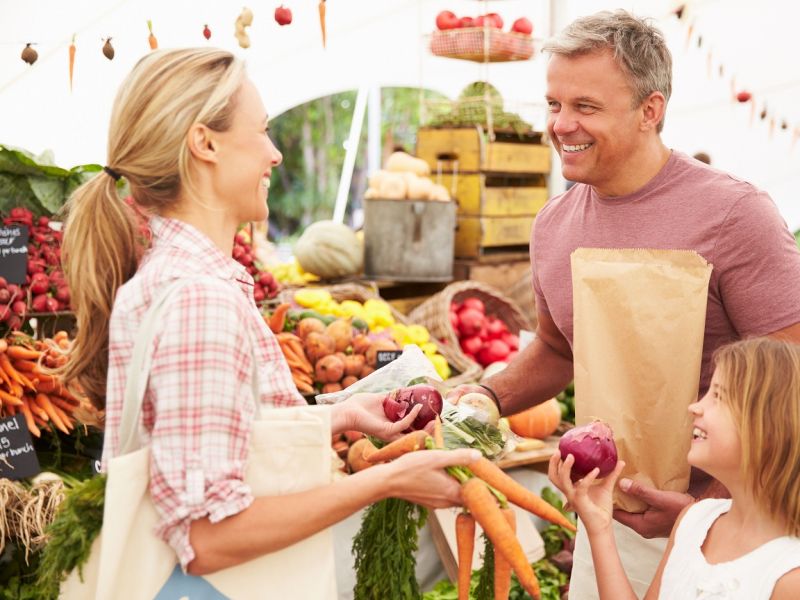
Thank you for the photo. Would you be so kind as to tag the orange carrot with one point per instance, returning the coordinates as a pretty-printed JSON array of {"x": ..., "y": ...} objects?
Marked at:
[
  {"x": 151, "y": 39},
  {"x": 44, "y": 403},
  {"x": 27, "y": 366},
  {"x": 23, "y": 353},
  {"x": 64, "y": 405},
  {"x": 517, "y": 494},
  {"x": 9, "y": 399},
  {"x": 12, "y": 373},
  {"x": 11, "y": 410},
  {"x": 278, "y": 317},
  {"x": 502, "y": 568},
  {"x": 438, "y": 437},
  {"x": 465, "y": 544},
  {"x": 322, "y": 20},
  {"x": 37, "y": 410},
  {"x": 60, "y": 335},
  {"x": 29, "y": 420},
  {"x": 410, "y": 442},
  {"x": 3, "y": 345},
  {"x": 481, "y": 503},
  {"x": 65, "y": 418},
  {"x": 71, "y": 60}
]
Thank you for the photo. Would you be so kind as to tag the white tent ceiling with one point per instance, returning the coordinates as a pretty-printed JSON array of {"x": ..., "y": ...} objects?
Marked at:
[{"x": 381, "y": 42}]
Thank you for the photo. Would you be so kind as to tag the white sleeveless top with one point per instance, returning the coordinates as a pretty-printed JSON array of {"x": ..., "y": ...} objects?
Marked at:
[{"x": 687, "y": 574}]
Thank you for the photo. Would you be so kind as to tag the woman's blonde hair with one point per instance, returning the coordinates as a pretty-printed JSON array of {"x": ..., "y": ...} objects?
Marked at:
[
  {"x": 761, "y": 380},
  {"x": 638, "y": 47},
  {"x": 164, "y": 95}
]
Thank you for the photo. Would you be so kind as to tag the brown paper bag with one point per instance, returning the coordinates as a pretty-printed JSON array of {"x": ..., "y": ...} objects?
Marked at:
[{"x": 639, "y": 319}]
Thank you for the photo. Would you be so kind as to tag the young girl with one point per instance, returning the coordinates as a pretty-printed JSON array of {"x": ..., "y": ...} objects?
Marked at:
[
  {"x": 189, "y": 134},
  {"x": 746, "y": 435}
]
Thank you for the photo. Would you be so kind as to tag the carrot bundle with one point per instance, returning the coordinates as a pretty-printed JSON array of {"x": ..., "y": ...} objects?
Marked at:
[
  {"x": 27, "y": 388},
  {"x": 465, "y": 545},
  {"x": 151, "y": 39},
  {"x": 481, "y": 503},
  {"x": 518, "y": 494},
  {"x": 410, "y": 442}
]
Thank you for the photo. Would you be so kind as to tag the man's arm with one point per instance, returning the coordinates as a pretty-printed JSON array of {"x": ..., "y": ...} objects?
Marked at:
[
  {"x": 789, "y": 334},
  {"x": 538, "y": 373}
]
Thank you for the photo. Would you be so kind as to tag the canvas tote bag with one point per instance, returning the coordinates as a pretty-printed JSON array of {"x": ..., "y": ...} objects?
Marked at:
[{"x": 289, "y": 452}]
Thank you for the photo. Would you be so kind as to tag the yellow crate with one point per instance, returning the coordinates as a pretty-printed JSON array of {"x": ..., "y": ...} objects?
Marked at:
[
  {"x": 476, "y": 235},
  {"x": 476, "y": 198},
  {"x": 469, "y": 150}
]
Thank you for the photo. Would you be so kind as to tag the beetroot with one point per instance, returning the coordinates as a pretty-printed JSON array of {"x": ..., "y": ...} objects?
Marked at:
[
  {"x": 592, "y": 446},
  {"x": 399, "y": 402}
]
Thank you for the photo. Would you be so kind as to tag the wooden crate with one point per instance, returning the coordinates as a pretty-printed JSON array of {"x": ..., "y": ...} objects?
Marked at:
[
  {"x": 486, "y": 196},
  {"x": 501, "y": 271},
  {"x": 469, "y": 150},
  {"x": 476, "y": 236}
]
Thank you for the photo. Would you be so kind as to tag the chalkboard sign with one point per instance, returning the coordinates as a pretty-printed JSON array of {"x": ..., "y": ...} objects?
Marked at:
[
  {"x": 384, "y": 357},
  {"x": 17, "y": 455},
  {"x": 14, "y": 252}
]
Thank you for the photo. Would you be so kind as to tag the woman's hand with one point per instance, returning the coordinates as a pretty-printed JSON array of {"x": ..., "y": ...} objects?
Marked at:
[
  {"x": 419, "y": 477},
  {"x": 364, "y": 412},
  {"x": 593, "y": 502}
]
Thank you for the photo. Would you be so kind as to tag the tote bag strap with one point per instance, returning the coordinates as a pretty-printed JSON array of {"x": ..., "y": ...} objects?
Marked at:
[{"x": 138, "y": 372}]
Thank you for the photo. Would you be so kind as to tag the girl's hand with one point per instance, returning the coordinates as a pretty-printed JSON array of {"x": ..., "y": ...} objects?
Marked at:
[
  {"x": 593, "y": 501},
  {"x": 364, "y": 412}
]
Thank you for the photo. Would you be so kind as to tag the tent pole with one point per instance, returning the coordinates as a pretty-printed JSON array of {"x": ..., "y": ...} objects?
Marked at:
[
  {"x": 374, "y": 130},
  {"x": 350, "y": 154}
]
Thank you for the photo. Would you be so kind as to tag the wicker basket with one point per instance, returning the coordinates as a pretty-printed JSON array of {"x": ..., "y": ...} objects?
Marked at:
[
  {"x": 481, "y": 45},
  {"x": 464, "y": 370},
  {"x": 434, "y": 313}
]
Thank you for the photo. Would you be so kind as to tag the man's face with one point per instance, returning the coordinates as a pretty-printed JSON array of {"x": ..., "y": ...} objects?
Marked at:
[{"x": 591, "y": 120}]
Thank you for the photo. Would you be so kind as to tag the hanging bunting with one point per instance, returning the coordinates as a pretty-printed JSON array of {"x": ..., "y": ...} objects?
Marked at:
[
  {"x": 689, "y": 32},
  {"x": 699, "y": 41},
  {"x": 784, "y": 125},
  {"x": 108, "y": 49},
  {"x": 206, "y": 32},
  {"x": 708, "y": 64},
  {"x": 763, "y": 113},
  {"x": 679, "y": 11},
  {"x": 71, "y": 61},
  {"x": 29, "y": 55},
  {"x": 771, "y": 126},
  {"x": 151, "y": 39}
]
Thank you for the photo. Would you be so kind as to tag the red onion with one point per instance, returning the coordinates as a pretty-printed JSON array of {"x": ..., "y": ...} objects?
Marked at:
[
  {"x": 592, "y": 446},
  {"x": 398, "y": 403}
]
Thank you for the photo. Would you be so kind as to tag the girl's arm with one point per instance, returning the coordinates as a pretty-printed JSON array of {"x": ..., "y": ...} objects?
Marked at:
[
  {"x": 788, "y": 586},
  {"x": 275, "y": 522},
  {"x": 593, "y": 502}
]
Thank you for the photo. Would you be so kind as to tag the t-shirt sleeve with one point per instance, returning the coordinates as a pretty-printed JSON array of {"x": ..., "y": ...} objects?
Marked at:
[{"x": 759, "y": 267}]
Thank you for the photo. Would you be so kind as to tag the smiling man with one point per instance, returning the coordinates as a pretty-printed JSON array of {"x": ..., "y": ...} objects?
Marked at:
[{"x": 608, "y": 85}]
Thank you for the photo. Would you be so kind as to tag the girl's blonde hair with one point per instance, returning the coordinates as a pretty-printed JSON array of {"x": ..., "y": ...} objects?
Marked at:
[
  {"x": 164, "y": 95},
  {"x": 761, "y": 379}
]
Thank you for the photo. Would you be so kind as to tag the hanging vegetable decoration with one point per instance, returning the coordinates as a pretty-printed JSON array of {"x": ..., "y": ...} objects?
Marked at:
[
  {"x": 245, "y": 19},
  {"x": 743, "y": 96},
  {"x": 108, "y": 49},
  {"x": 29, "y": 55},
  {"x": 322, "y": 20},
  {"x": 206, "y": 32},
  {"x": 151, "y": 39},
  {"x": 71, "y": 60},
  {"x": 283, "y": 15}
]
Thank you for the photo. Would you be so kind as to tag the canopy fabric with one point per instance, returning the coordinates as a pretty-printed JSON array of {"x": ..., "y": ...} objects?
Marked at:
[{"x": 383, "y": 42}]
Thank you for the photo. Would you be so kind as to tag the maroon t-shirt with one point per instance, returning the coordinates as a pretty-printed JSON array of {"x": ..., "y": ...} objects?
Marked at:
[{"x": 688, "y": 205}]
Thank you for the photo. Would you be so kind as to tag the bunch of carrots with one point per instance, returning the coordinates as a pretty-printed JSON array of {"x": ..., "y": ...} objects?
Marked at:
[
  {"x": 486, "y": 492},
  {"x": 27, "y": 388},
  {"x": 292, "y": 348}
]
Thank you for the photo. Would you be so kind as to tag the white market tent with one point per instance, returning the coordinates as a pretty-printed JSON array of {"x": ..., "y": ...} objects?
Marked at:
[{"x": 381, "y": 43}]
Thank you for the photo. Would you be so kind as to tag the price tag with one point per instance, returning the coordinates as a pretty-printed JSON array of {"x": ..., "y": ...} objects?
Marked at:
[
  {"x": 384, "y": 357},
  {"x": 17, "y": 455},
  {"x": 14, "y": 252}
]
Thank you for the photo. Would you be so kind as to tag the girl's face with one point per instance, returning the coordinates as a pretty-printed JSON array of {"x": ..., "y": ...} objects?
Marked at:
[
  {"x": 246, "y": 158},
  {"x": 716, "y": 446}
]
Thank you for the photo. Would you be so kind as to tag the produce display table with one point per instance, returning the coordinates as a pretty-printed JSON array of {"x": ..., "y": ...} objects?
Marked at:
[{"x": 537, "y": 458}]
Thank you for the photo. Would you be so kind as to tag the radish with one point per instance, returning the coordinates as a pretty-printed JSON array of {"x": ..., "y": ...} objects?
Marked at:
[
  {"x": 475, "y": 303},
  {"x": 495, "y": 350},
  {"x": 471, "y": 345},
  {"x": 470, "y": 322}
]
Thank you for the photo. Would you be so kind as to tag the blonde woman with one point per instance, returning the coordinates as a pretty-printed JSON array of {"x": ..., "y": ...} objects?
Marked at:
[
  {"x": 189, "y": 133},
  {"x": 746, "y": 436}
]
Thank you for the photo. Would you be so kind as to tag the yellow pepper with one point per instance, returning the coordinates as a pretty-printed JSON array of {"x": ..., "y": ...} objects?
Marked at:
[
  {"x": 429, "y": 348},
  {"x": 440, "y": 364},
  {"x": 312, "y": 298},
  {"x": 417, "y": 334}
]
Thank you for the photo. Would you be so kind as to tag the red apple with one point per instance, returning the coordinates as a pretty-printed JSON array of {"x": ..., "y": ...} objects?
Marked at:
[
  {"x": 446, "y": 20},
  {"x": 466, "y": 22},
  {"x": 522, "y": 25},
  {"x": 283, "y": 15}
]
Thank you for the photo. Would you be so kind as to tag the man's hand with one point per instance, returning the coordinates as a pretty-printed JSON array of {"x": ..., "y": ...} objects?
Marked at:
[
  {"x": 454, "y": 395},
  {"x": 660, "y": 516}
]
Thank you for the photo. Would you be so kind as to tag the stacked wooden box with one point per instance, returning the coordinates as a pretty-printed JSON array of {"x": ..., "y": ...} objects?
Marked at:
[{"x": 499, "y": 184}]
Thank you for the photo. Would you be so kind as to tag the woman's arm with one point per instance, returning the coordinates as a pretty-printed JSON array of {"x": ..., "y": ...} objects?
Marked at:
[{"x": 273, "y": 523}]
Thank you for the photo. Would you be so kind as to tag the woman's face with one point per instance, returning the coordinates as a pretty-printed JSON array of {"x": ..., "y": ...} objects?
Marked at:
[
  {"x": 246, "y": 158},
  {"x": 716, "y": 446}
]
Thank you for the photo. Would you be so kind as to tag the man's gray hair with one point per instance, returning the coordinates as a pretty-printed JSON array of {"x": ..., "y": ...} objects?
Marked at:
[{"x": 638, "y": 47}]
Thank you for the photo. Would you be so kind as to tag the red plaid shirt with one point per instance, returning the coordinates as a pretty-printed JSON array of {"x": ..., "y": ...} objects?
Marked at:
[{"x": 198, "y": 408}]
